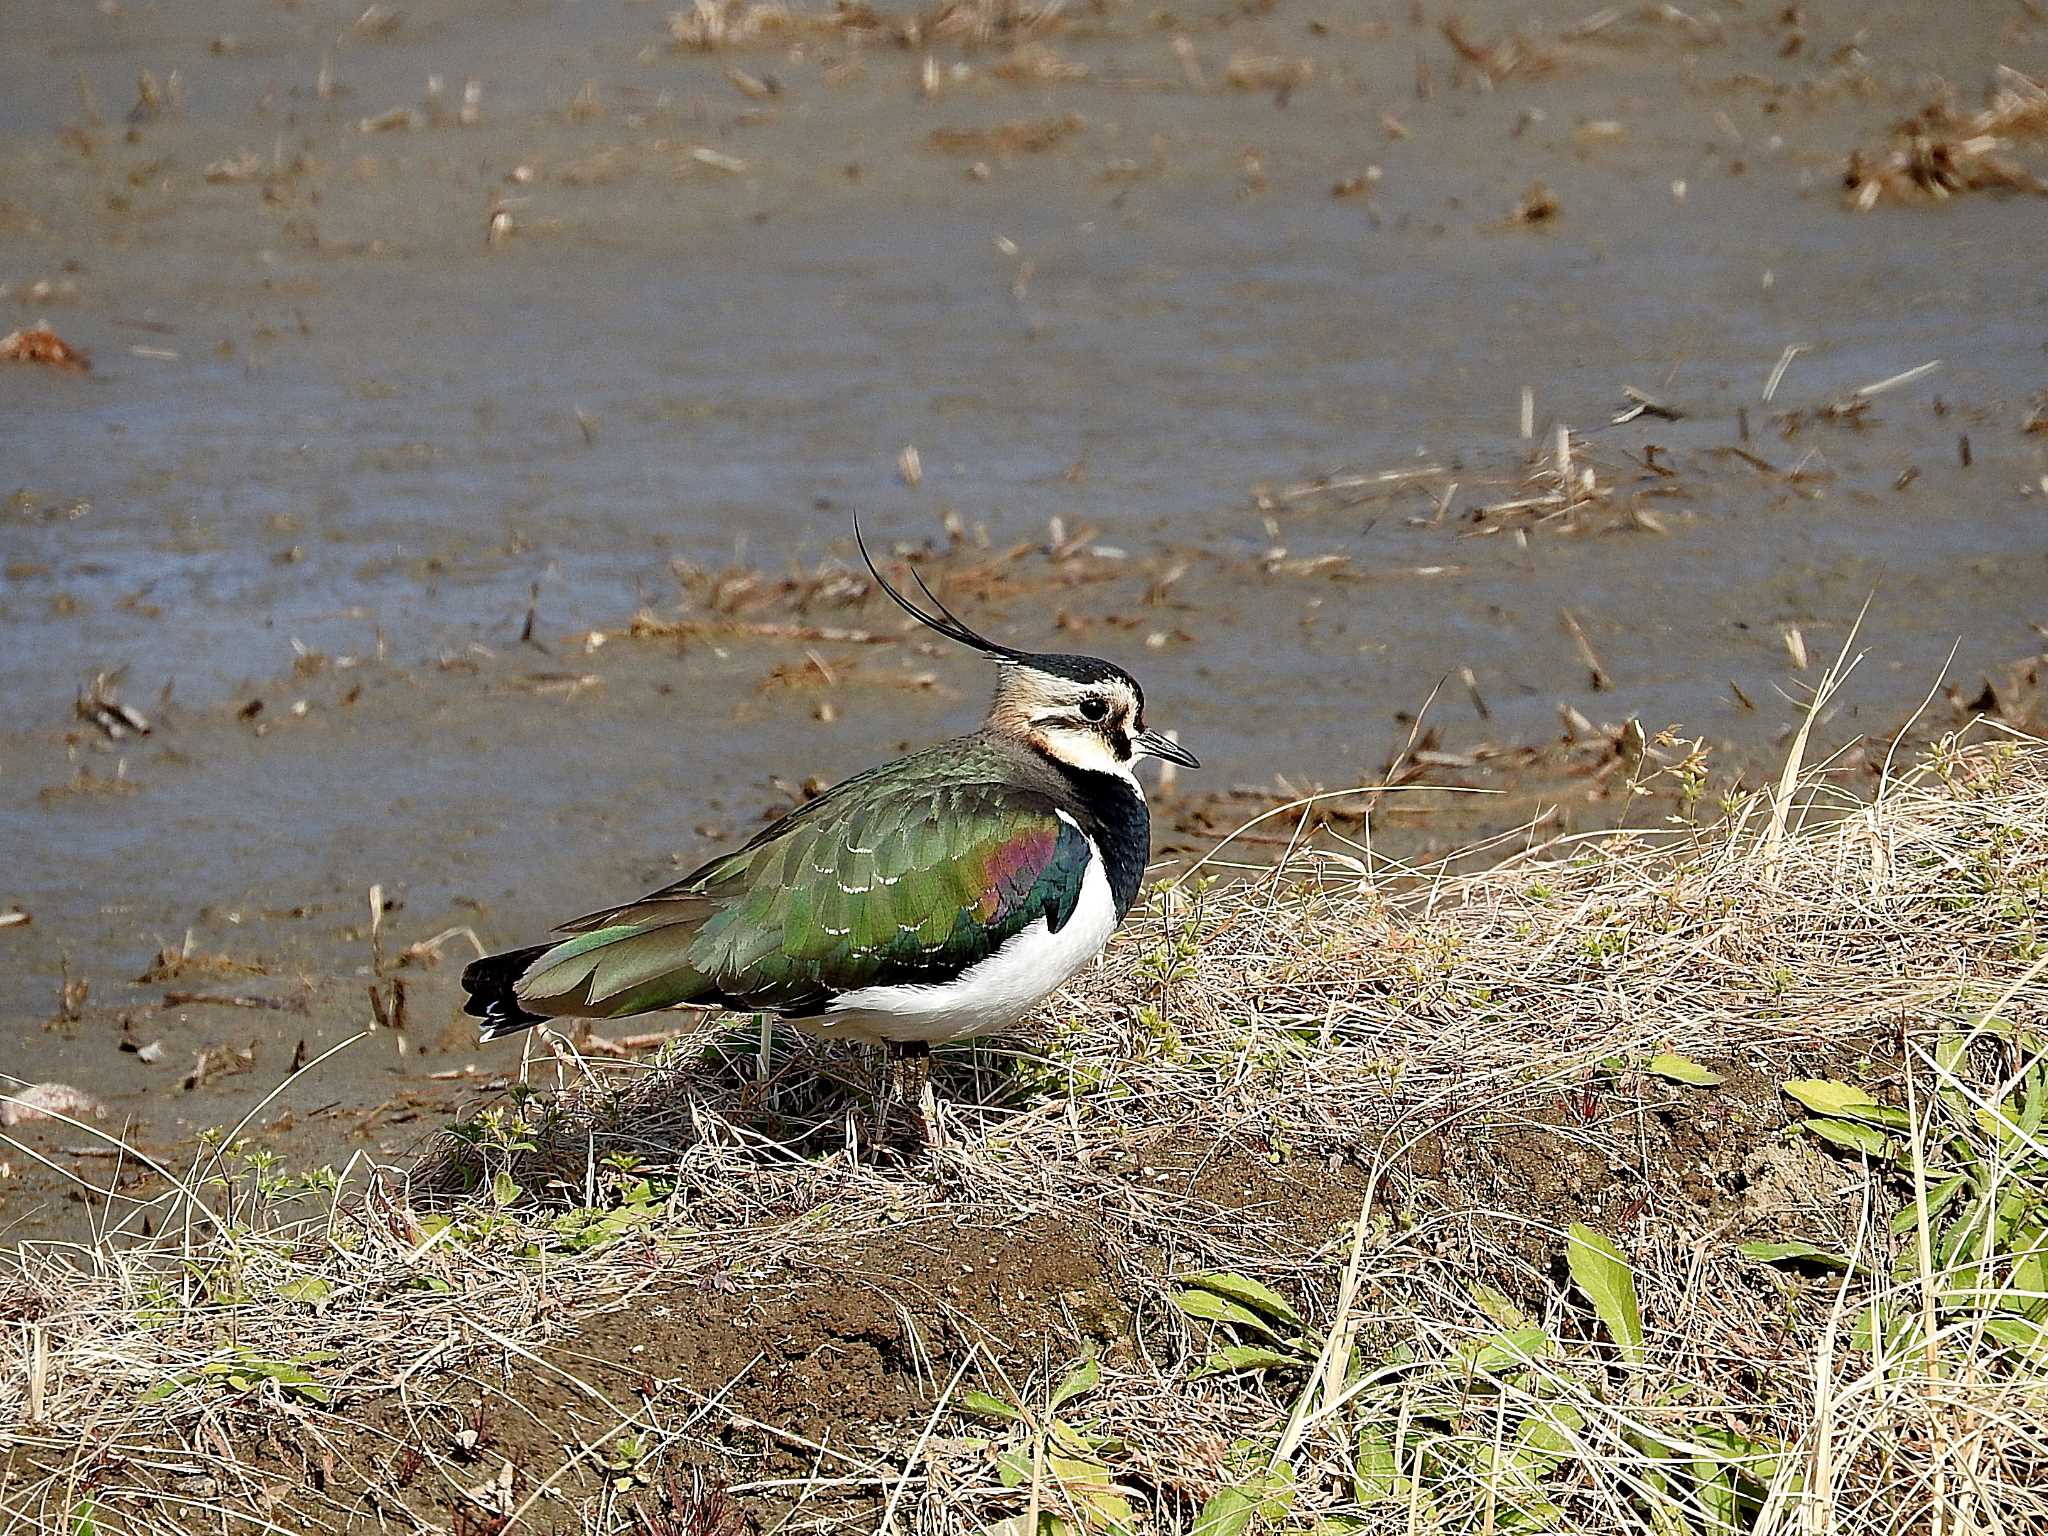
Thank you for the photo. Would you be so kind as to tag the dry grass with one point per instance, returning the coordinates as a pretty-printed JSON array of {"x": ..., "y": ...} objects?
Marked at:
[
  {"x": 1433, "y": 1047},
  {"x": 1035, "y": 63},
  {"x": 1512, "y": 55},
  {"x": 40, "y": 344},
  {"x": 708, "y": 26},
  {"x": 1942, "y": 151},
  {"x": 1020, "y": 136},
  {"x": 1567, "y": 486},
  {"x": 1248, "y": 71}
]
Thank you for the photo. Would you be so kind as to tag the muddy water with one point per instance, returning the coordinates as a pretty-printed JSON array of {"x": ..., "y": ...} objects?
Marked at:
[{"x": 339, "y": 438}]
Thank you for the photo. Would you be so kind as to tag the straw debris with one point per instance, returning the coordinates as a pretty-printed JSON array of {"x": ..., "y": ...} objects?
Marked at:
[
  {"x": 40, "y": 344},
  {"x": 709, "y": 25},
  {"x": 1940, "y": 151},
  {"x": 1268, "y": 72},
  {"x": 1036, "y": 63},
  {"x": 977, "y": 23},
  {"x": 1019, "y": 136},
  {"x": 1512, "y": 55},
  {"x": 1537, "y": 205}
]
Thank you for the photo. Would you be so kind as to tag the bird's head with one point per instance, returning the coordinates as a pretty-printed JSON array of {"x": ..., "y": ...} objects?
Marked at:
[{"x": 1081, "y": 710}]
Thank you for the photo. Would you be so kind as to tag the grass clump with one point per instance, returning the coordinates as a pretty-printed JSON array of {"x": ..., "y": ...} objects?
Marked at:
[
  {"x": 1676, "y": 1181},
  {"x": 1942, "y": 151}
]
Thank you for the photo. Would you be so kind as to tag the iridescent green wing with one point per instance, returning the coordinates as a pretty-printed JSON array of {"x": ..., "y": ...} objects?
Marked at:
[
  {"x": 912, "y": 885},
  {"x": 909, "y": 873}
]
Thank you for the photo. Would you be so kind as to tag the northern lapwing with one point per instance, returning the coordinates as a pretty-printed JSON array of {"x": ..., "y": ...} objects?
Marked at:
[{"x": 935, "y": 898}]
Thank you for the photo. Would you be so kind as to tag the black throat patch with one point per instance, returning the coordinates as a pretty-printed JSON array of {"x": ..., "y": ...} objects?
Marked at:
[{"x": 1114, "y": 814}]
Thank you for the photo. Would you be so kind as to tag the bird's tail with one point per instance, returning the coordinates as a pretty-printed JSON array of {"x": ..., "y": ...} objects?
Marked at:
[
  {"x": 606, "y": 973},
  {"x": 490, "y": 983}
]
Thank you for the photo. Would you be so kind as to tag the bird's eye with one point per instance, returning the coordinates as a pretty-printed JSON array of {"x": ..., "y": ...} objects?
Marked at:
[{"x": 1095, "y": 709}]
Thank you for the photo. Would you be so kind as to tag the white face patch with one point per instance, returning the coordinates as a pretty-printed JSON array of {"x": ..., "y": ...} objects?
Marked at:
[
  {"x": 1085, "y": 749},
  {"x": 1087, "y": 725}
]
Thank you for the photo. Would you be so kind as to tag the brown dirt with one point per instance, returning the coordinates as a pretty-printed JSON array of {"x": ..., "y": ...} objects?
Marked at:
[
  {"x": 850, "y": 1358},
  {"x": 1692, "y": 1160},
  {"x": 810, "y": 1365}
]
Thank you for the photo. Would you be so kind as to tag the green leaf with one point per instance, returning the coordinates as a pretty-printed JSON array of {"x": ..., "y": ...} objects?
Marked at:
[
  {"x": 1069, "y": 1441},
  {"x": 1752, "y": 1460},
  {"x": 1248, "y": 1357},
  {"x": 1965, "y": 1233},
  {"x": 1228, "y": 1513},
  {"x": 1375, "y": 1475},
  {"x": 1851, "y": 1137},
  {"x": 1715, "y": 1495},
  {"x": 309, "y": 1290},
  {"x": 1792, "y": 1251},
  {"x": 1497, "y": 1306},
  {"x": 1089, "y": 1484},
  {"x": 1601, "y": 1270},
  {"x": 1537, "y": 1516},
  {"x": 2030, "y": 1337},
  {"x": 1082, "y": 1378},
  {"x": 1667, "y": 1516},
  {"x": 2029, "y": 1283},
  {"x": 1825, "y": 1096},
  {"x": 1894, "y": 1330},
  {"x": 1937, "y": 1200},
  {"x": 1680, "y": 1069},
  {"x": 1083, "y": 1471},
  {"x": 983, "y": 1406},
  {"x": 1548, "y": 1435},
  {"x": 1507, "y": 1349},
  {"x": 1246, "y": 1292},
  {"x": 1272, "y": 1492},
  {"x": 1207, "y": 1307}
]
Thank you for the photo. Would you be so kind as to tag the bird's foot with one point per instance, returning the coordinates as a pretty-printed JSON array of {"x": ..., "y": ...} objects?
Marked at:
[
  {"x": 905, "y": 1109},
  {"x": 930, "y": 1124}
]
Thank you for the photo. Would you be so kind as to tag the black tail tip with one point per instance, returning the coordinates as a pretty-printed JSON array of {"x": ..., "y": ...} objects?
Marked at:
[{"x": 490, "y": 982}]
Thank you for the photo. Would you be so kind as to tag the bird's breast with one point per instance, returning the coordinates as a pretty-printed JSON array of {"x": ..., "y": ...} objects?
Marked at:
[{"x": 993, "y": 993}]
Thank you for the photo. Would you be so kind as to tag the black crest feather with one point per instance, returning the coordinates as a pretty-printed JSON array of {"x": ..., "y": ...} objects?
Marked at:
[
  {"x": 949, "y": 624},
  {"x": 1075, "y": 668}
]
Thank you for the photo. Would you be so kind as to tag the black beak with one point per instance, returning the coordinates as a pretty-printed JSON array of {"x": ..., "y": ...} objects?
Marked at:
[{"x": 1152, "y": 744}]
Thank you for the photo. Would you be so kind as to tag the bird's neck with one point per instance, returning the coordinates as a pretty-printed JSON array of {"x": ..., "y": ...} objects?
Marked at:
[{"x": 1111, "y": 809}]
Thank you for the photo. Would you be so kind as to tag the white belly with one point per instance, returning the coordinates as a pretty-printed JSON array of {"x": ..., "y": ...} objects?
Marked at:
[{"x": 990, "y": 995}]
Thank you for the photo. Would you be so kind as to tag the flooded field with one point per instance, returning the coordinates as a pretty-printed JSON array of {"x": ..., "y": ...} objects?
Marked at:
[{"x": 459, "y": 489}]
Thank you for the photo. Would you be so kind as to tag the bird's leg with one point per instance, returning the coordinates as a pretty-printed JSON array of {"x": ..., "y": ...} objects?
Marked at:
[
  {"x": 887, "y": 1089},
  {"x": 910, "y": 1069},
  {"x": 928, "y": 1111},
  {"x": 917, "y": 1091}
]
